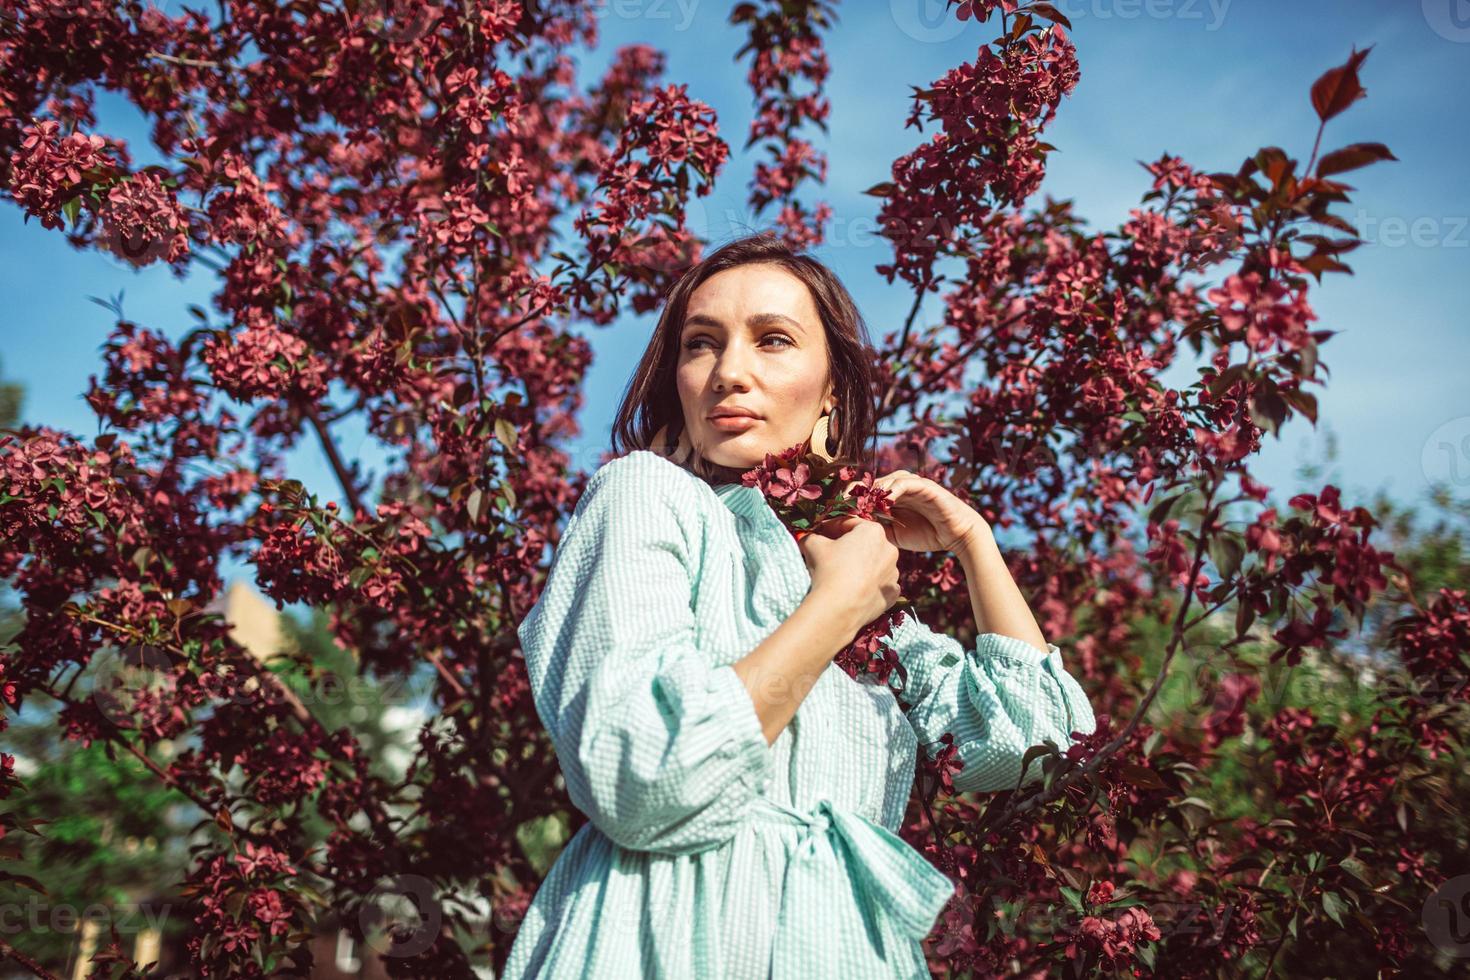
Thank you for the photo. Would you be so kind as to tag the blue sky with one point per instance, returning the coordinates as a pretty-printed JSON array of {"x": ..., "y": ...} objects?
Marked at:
[{"x": 1207, "y": 80}]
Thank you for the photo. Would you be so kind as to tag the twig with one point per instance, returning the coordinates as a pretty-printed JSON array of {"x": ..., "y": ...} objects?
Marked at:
[
  {"x": 444, "y": 672},
  {"x": 265, "y": 676},
  {"x": 1095, "y": 763},
  {"x": 329, "y": 447},
  {"x": 10, "y": 952},
  {"x": 168, "y": 779},
  {"x": 885, "y": 409},
  {"x": 191, "y": 62},
  {"x": 908, "y": 323}
]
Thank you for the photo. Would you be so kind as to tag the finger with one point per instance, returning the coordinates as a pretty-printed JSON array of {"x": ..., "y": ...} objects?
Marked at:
[
  {"x": 888, "y": 541},
  {"x": 895, "y": 490},
  {"x": 917, "y": 490},
  {"x": 837, "y": 526}
]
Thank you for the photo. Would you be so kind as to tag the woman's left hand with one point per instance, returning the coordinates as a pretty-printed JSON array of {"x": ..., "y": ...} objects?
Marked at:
[{"x": 926, "y": 516}]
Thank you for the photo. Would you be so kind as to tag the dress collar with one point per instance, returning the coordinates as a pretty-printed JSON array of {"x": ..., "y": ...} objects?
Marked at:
[{"x": 742, "y": 500}]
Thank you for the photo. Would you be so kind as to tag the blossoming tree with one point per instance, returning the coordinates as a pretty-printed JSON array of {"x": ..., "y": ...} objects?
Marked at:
[{"x": 408, "y": 206}]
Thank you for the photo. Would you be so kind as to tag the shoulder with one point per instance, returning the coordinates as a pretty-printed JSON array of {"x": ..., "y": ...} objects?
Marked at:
[{"x": 644, "y": 482}]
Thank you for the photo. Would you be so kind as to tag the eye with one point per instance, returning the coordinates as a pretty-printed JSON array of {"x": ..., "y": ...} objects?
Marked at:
[{"x": 696, "y": 343}]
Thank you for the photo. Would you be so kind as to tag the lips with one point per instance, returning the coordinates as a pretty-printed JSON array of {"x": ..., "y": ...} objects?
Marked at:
[
  {"x": 732, "y": 422},
  {"x": 733, "y": 413}
]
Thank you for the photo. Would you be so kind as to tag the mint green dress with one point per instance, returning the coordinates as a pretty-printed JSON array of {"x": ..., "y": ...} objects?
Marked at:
[{"x": 708, "y": 854}]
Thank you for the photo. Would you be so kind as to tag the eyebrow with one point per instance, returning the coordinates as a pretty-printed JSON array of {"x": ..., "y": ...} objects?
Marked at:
[{"x": 755, "y": 321}]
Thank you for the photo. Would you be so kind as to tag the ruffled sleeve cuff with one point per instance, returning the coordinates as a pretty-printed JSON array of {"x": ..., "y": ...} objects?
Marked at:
[
  {"x": 996, "y": 699},
  {"x": 1004, "y": 657}
]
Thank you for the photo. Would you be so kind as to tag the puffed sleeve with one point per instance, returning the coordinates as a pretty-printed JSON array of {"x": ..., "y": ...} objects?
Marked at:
[
  {"x": 999, "y": 698},
  {"x": 661, "y": 751}
]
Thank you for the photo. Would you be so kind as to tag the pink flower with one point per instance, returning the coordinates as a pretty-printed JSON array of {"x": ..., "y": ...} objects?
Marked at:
[
  {"x": 1268, "y": 311},
  {"x": 1101, "y": 893},
  {"x": 1117, "y": 939},
  {"x": 789, "y": 485}
]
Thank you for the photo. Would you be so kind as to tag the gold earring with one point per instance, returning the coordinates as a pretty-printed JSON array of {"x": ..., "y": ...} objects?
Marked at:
[
  {"x": 679, "y": 454},
  {"x": 820, "y": 432}
]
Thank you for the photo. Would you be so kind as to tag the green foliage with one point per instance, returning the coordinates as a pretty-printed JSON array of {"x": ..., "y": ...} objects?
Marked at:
[
  {"x": 12, "y": 396},
  {"x": 114, "y": 840}
]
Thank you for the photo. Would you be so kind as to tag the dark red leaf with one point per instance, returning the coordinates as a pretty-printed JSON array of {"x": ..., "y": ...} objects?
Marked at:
[
  {"x": 1050, "y": 13},
  {"x": 1353, "y": 157},
  {"x": 1339, "y": 88}
]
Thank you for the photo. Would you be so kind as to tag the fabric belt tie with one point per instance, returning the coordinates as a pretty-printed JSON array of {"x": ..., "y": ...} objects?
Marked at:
[{"x": 899, "y": 893}]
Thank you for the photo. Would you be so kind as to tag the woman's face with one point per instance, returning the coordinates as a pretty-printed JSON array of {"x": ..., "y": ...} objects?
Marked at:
[{"x": 752, "y": 340}]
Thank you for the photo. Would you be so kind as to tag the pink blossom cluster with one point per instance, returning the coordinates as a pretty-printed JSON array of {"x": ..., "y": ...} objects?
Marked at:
[{"x": 788, "y": 74}]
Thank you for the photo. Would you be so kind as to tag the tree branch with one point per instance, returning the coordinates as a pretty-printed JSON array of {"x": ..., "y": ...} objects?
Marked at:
[
  {"x": 10, "y": 952},
  {"x": 354, "y": 500},
  {"x": 1041, "y": 799}
]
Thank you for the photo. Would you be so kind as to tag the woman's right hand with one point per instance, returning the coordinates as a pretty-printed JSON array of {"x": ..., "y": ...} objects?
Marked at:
[{"x": 854, "y": 568}]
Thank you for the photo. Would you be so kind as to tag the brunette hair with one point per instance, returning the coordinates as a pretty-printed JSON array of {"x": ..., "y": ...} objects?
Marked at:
[{"x": 651, "y": 400}]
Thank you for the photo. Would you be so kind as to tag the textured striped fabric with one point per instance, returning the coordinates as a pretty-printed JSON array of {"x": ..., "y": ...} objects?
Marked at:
[{"x": 708, "y": 853}]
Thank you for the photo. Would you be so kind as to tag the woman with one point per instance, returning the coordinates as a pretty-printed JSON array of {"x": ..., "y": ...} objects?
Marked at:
[{"x": 743, "y": 793}]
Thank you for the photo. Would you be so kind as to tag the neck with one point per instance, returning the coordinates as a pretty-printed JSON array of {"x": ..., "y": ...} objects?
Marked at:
[{"x": 726, "y": 474}]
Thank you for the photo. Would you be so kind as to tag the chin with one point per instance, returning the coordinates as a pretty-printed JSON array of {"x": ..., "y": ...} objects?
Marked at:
[
  {"x": 732, "y": 455},
  {"x": 736, "y": 461}
]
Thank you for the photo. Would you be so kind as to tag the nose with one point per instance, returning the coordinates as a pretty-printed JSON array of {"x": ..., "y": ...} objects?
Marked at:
[{"x": 732, "y": 368}]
